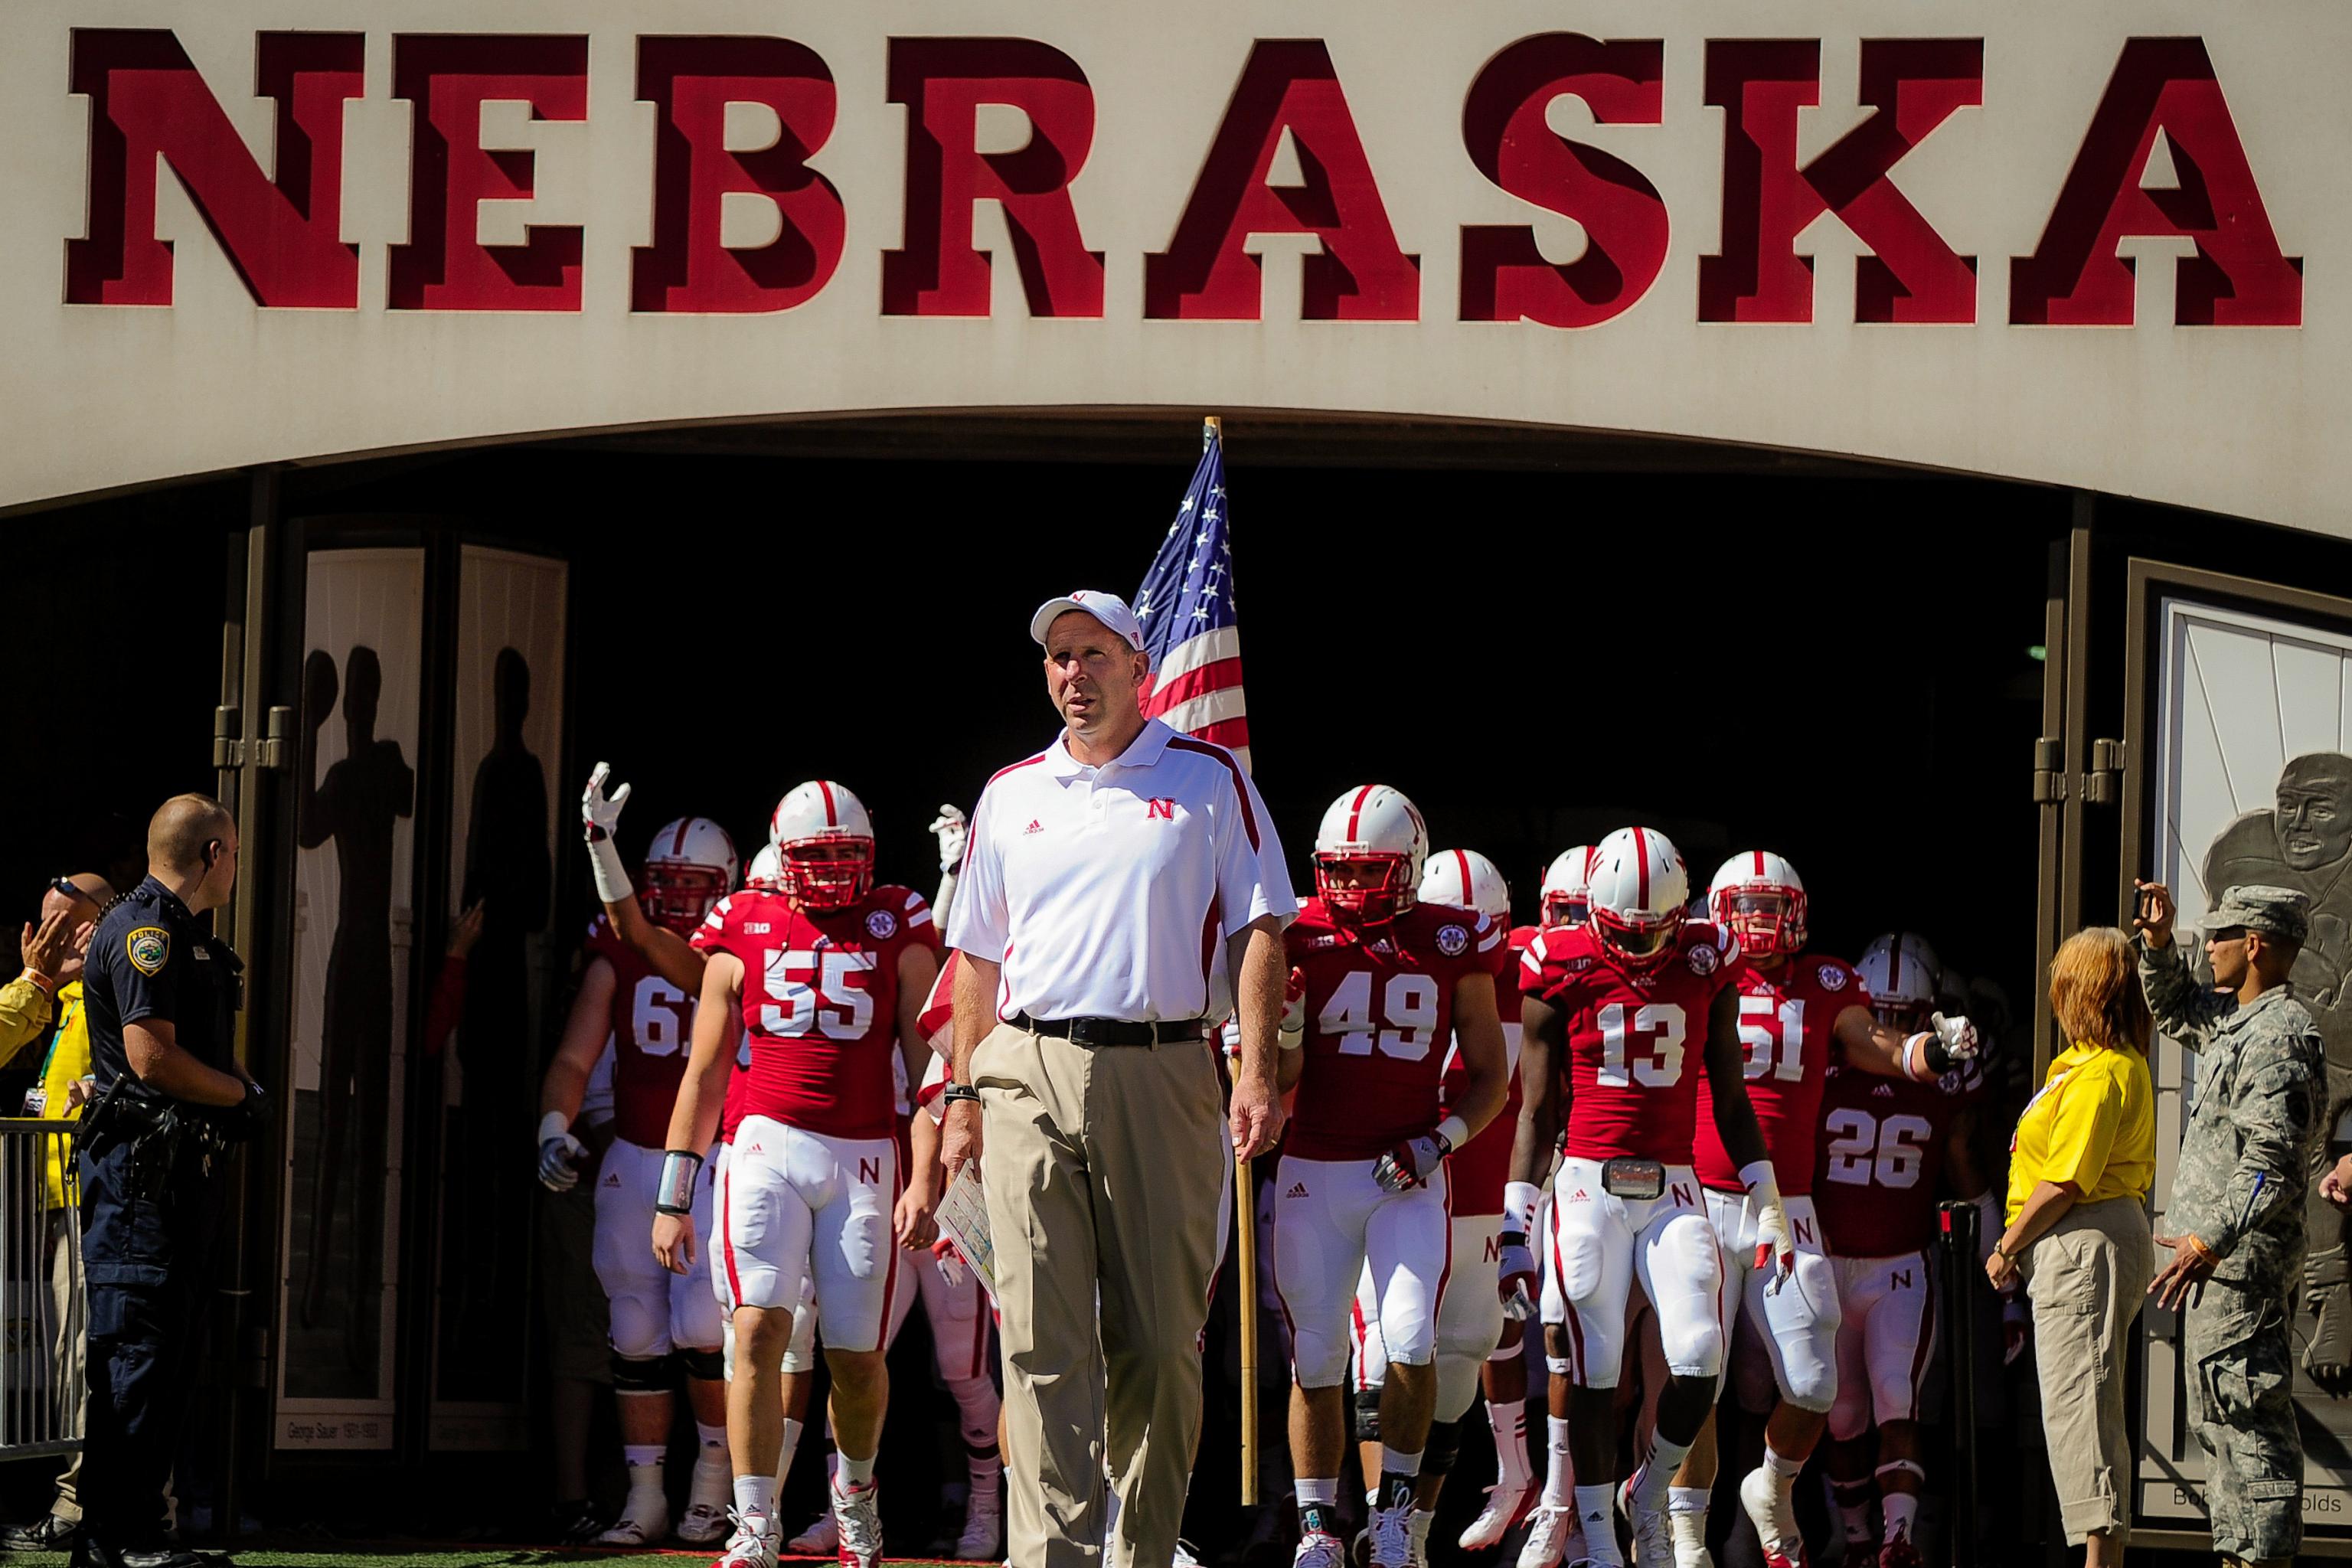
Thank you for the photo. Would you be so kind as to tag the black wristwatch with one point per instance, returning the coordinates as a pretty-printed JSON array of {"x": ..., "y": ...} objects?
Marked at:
[{"x": 956, "y": 1091}]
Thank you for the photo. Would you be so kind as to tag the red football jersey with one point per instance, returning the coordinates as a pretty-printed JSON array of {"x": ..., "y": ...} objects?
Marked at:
[
  {"x": 1636, "y": 1044},
  {"x": 1881, "y": 1159},
  {"x": 1482, "y": 1167},
  {"x": 1787, "y": 1017},
  {"x": 653, "y": 1032},
  {"x": 1380, "y": 1023},
  {"x": 821, "y": 1004}
]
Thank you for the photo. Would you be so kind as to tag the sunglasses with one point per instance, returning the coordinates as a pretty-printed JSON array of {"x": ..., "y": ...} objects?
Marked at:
[{"x": 67, "y": 886}]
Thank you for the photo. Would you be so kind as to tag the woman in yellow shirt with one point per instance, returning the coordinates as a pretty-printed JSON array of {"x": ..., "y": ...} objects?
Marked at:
[{"x": 2079, "y": 1172}]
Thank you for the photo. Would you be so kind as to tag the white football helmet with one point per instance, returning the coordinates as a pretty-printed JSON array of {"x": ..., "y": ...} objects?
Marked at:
[
  {"x": 1759, "y": 896},
  {"x": 1468, "y": 880},
  {"x": 1638, "y": 885},
  {"x": 1901, "y": 973},
  {"x": 761, "y": 877},
  {"x": 690, "y": 865},
  {"x": 1566, "y": 902},
  {"x": 825, "y": 844},
  {"x": 1368, "y": 853}
]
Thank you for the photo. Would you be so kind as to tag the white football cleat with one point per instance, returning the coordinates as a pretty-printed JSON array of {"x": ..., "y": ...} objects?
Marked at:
[
  {"x": 822, "y": 1539},
  {"x": 753, "y": 1544},
  {"x": 1774, "y": 1514},
  {"x": 1319, "y": 1549},
  {"x": 859, "y": 1516},
  {"x": 631, "y": 1531},
  {"x": 1505, "y": 1505},
  {"x": 1550, "y": 1529},
  {"x": 703, "y": 1524},
  {"x": 983, "y": 1527},
  {"x": 1653, "y": 1535},
  {"x": 1392, "y": 1536},
  {"x": 1185, "y": 1556}
]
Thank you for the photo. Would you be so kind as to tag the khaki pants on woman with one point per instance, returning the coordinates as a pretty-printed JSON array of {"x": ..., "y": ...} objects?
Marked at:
[{"x": 2086, "y": 1279}]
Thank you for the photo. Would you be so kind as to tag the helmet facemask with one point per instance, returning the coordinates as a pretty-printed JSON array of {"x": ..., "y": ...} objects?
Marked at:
[
  {"x": 1768, "y": 917},
  {"x": 1639, "y": 942},
  {"x": 828, "y": 873},
  {"x": 1566, "y": 912},
  {"x": 1367, "y": 889},
  {"x": 680, "y": 893}
]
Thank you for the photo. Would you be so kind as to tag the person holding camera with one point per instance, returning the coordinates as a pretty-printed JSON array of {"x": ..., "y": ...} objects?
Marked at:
[
  {"x": 2253, "y": 1135},
  {"x": 162, "y": 994}
]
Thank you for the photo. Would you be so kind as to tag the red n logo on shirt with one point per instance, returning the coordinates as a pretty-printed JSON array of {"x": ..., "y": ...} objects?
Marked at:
[{"x": 1163, "y": 808}]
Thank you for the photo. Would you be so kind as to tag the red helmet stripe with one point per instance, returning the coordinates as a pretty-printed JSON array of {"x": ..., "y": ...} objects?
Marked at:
[
  {"x": 1759, "y": 865},
  {"x": 1462, "y": 858},
  {"x": 831, "y": 817},
  {"x": 1356, "y": 813},
  {"x": 678, "y": 848},
  {"x": 1895, "y": 965},
  {"x": 1642, "y": 860}
]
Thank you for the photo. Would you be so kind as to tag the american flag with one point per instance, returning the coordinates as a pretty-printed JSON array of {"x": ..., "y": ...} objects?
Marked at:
[{"x": 1191, "y": 627}]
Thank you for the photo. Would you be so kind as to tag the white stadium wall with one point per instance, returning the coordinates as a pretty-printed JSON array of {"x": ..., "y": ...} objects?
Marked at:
[{"x": 2091, "y": 244}]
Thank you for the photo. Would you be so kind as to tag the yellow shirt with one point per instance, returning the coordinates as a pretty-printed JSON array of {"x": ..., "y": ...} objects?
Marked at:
[
  {"x": 68, "y": 1060},
  {"x": 2094, "y": 1124}
]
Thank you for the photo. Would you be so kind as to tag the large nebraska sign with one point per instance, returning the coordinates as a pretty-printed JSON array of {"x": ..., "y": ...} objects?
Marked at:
[{"x": 2088, "y": 245}]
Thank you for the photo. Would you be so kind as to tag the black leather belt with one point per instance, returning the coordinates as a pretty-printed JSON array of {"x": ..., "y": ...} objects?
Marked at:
[{"x": 1094, "y": 1032}]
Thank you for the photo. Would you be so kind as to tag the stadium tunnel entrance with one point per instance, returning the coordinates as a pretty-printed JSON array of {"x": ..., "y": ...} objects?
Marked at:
[{"x": 1893, "y": 677}]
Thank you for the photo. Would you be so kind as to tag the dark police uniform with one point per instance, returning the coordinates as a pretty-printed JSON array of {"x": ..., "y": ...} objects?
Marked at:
[{"x": 153, "y": 1172}]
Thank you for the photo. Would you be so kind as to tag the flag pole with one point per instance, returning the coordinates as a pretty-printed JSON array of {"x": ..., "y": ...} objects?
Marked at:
[{"x": 1244, "y": 1231}]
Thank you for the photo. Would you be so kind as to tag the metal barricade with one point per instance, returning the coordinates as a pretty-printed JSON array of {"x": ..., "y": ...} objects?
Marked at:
[{"x": 44, "y": 1298}]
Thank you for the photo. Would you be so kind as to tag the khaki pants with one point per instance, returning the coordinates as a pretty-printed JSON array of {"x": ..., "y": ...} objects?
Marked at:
[
  {"x": 1106, "y": 1172},
  {"x": 71, "y": 1352},
  {"x": 2087, "y": 1278}
]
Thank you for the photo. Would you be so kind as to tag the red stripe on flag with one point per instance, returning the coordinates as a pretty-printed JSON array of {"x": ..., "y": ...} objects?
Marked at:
[
  {"x": 1227, "y": 732},
  {"x": 1208, "y": 680}
]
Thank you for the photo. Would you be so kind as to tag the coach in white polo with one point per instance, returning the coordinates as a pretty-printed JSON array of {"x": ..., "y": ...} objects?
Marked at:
[{"x": 1108, "y": 879}]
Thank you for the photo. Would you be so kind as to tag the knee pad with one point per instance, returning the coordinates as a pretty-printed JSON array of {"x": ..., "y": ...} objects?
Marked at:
[
  {"x": 642, "y": 1375},
  {"x": 640, "y": 1328},
  {"x": 708, "y": 1365},
  {"x": 1445, "y": 1445},
  {"x": 1368, "y": 1414}
]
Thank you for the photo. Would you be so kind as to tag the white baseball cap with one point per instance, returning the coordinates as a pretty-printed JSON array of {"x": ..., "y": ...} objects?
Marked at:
[{"x": 1108, "y": 608}]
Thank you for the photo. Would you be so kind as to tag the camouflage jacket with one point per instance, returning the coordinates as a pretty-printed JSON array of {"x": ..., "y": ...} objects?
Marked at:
[{"x": 2256, "y": 1126}]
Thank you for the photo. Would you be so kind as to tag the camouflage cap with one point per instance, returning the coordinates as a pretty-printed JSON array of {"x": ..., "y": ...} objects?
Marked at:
[{"x": 2280, "y": 911}]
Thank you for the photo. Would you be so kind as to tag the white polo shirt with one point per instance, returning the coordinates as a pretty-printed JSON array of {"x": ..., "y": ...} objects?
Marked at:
[{"x": 1108, "y": 892}]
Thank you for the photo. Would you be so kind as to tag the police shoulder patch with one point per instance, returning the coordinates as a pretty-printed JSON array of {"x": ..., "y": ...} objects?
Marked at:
[
  {"x": 149, "y": 949},
  {"x": 1452, "y": 940},
  {"x": 881, "y": 925}
]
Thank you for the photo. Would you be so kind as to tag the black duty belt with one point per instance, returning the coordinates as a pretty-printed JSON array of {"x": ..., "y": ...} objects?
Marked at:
[{"x": 1094, "y": 1032}]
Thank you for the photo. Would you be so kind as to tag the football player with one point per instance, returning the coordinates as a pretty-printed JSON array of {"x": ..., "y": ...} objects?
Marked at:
[
  {"x": 1613, "y": 1016},
  {"x": 1491, "y": 1290},
  {"x": 660, "y": 1324},
  {"x": 1886, "y": 1143},
  {"x": 1379, "y": 983},
  {"x": 825, "y": 976},
  {"x": 1794, "y": 1012}
]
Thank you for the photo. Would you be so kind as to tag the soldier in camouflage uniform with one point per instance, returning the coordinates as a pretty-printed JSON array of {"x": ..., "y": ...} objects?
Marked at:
[{"x": 2237, "y": 1203}]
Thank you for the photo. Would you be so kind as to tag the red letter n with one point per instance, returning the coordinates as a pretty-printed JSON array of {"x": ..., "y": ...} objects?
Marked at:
[
  {"x": 148, "y": 102},
  {"x": 1206, "y": 275},
  {"x": 449, "y": 77},
  {"x": 1505, "y": 276},
  {"x": 688, "y": 268},
  {"x": 1915, "y": 84},
  {"x": 943, "y": 82},
  {"x": 2238, "y": 277}
]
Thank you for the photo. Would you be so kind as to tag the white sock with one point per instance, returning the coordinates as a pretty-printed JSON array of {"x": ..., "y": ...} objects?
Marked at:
[
  {"x": 645, "y": 1495},
  {"x": 854, "y": 1475},
  {"x": 1396, "y": 1463},
  {"x": 1688, "y": 1499},
  {"x": 642, "y": 1456},
  {"x": 1856, "y": 1521},
  {"x": 1687, "y": 1517},
  {"x": 1418, "y": 1522},
  {"x": 756, "y": 1495},
  {"x": 1509, "y": 1422},
  {"x": 712, "y": 1436},
  {"x": 984, "y": 1469},
  {"x": 1323, "y": 1489},
  {"x": 712, "y": 1476},
  {"x": 792, "y": 1430},
  {"x": 1596, "y": 1515},
  {"x": 1559, "y": 1482},
  {"x": 1658, "y": 1471},
  {"x": 1901, "y": 1511},
  {"x": 1784, "y": 1472}
]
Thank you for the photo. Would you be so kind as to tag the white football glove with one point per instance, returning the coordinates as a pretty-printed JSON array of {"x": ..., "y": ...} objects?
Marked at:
[
  {"x": 1944, "y": 1045},
  {"x": 600, "y": 821},
  {"x": 954, "y": 833},
  {"x": 1958, "y": 1036},
  {"x": 1515, "y": 1277},
  {"x": 1229, "y": 1034},
  {"x": 1776, "y": 1242},
  {"x": 1411, "y": 1162},
  {"x": 559, "y": 1156},
  {"x": 952, "y": 1264},
  {"x": 1294, "y": 1004}
]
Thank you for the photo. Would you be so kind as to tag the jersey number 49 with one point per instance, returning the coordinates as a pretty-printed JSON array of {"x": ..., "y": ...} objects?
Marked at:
[{"x": 1408, "y": 1004}]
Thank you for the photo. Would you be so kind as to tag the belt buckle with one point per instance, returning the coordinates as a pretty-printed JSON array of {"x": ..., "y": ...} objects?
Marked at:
[
  {"x": 1084, "y": 1032},
  {"x": 1638, "y": 1180}
]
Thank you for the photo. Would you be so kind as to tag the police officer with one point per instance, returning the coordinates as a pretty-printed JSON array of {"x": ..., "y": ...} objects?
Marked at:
[
  {"x": 162, "y": 995},
  {"x": 2254, "y": 1136}
]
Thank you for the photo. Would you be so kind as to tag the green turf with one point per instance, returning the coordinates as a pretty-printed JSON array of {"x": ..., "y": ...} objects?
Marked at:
[{"x": 394, "y": 1556}]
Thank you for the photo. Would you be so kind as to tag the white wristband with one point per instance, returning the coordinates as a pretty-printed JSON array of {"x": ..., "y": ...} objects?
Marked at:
[
  {"x": 604, "y": 869},
  {"x": 1759, "y": 1181},
  {"x": 1454, "y": 1130},
  {"x": 554, "y": 1124},
  {"x": 1915, "y": 1056},
  {"x": 1519, "y": 1200}
]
